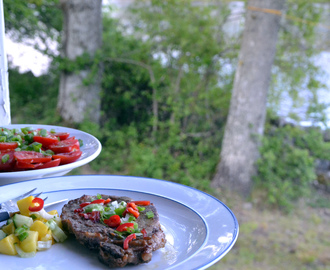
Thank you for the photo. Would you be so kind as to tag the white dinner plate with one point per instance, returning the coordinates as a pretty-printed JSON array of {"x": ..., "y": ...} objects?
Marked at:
[
  {"x": 90, "y": 150},
  {"x": 199, "y": 228}
]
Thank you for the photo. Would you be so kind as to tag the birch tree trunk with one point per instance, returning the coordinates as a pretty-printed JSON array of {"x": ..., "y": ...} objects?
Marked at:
[
  {"x": 5, "y": 117},
  {"x": 247, "y": 113},
  {"x": 82, "y": 34}
]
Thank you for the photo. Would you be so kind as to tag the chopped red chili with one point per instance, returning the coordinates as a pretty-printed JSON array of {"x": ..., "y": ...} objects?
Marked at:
[
  {"x": 133, "y": 205},
  {"x": 144, "y": 232},
  {"x": 134, "y": 212},
  {"x": 39, "y": 204},
  {"x": 84, "y": 204},
  {"x": 98, "y": 201},
  {"x": 143, "y": 203},
  {"x": 129, "y": 239},
  {"x": 107, "y": 201}
]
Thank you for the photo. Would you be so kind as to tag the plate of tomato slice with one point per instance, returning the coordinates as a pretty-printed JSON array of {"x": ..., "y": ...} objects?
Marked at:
[{"x": 36, "y": 151}]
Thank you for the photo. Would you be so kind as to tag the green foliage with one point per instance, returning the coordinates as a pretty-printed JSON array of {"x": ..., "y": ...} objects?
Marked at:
[
  {"x": 31, "y": 20},
  {"x": 142, "y": 75},
  {"x": 286, "y": 167},
  {"x": 33, "y": 99},
  {"x": 124, "y": 153},
  {"x": 297, "y": 80},
  {"x": 166, "y": 92}
]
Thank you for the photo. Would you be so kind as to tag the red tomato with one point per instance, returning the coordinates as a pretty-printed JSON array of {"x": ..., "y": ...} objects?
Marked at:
[
  {"x": 68, "y": 157},
  {"x": 113, "y": 221},
  {"x": 9, "y": 164},
  {"x": 61, "y": 135},
  {"x": 123, "y": 227},
  {"x": 65, "y": 146},
  {"x": 49, "y": 164},
  {"x": 8, "y": 145},
  {"x": 26, "y": 165},
  {"x": 31, "y": 157},
  {"x": 45, "y": 141}
]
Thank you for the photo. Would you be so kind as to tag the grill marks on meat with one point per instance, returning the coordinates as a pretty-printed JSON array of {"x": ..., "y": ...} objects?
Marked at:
[{"x": 97, "y": 236}]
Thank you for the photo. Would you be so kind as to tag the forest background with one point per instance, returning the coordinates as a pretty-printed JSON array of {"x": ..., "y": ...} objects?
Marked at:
[{"x": 193, "y": 72}]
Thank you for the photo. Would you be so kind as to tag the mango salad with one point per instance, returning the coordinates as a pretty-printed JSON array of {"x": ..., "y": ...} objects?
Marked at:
[{"x": 31, "y": 230}]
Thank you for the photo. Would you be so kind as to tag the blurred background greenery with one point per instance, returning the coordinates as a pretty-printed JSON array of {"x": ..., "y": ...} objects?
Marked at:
[{"x": 286, "y": 214}]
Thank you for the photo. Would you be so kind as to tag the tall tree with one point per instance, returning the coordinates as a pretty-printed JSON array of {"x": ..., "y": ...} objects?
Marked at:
[
  {"x": 247, "y": 113},
  {"x": 79, "y": 93}
]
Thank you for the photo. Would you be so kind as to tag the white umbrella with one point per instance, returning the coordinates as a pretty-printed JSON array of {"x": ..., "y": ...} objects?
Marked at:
[{"x": 5, "y": 118}]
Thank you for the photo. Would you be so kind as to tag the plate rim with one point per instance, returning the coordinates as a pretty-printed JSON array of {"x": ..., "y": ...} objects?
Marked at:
[{"x": 203, "y": 265}]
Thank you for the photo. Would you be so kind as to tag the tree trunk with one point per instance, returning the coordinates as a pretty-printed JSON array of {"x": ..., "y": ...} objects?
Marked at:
[
  {"x": 247, "y": 113},
  {"x": 82, "y": 34},
  {"x": 5, "y": 118}
]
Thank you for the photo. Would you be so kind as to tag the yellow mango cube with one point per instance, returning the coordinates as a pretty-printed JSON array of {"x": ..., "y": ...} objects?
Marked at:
[
  {"x": 40, "y": 227},
  {"x": 29, "y": 244},
  {"x": 47, "y": 236},
  {"x": 24, "y": 204},
  {"x": 9, "y": 229},
  {"x": 7, "y": 245},
  {"x": 53, "y": 213}
]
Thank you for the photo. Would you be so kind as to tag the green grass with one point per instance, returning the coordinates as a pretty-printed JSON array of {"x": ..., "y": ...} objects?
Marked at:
[{"x": 270, "y": 239}]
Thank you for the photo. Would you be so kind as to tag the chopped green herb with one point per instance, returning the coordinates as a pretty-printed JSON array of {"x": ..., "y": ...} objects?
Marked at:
[
  {"x": 26, "y": 130},
  {"x": 48, "y": 152},
  {"x": 43, "y": 132},
  {"x": 33, "y": 216},
  {"x": 150, "y": 214},
  {"x": 131, "y": 218},
  {"x": 5, "y": 158},
  {"x": 22, "y": 236},
  {"x": 81, "y": 143}
]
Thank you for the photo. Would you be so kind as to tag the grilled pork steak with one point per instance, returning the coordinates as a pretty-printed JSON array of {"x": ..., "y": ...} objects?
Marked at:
[{"x": 94, "y": 233}]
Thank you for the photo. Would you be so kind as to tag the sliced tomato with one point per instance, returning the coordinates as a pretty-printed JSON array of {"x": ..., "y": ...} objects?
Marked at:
[
  {"x": 7, "y": 163},
  {"x": 31, "y": 157},
  {"x": 65, "y": 146},
  {"x": 61, "y": 135},
  {"x": 68, "y": 157},
  {"x": 8, "y": 145},
  {"x": 113, "y": 221},
  {"x": 49, "y": 164},
  {"x": 26, "y": 165},
  {"x": 45, "y": 141}
]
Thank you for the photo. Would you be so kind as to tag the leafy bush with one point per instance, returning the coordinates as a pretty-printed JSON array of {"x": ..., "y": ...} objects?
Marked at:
[
  {"x": 33, "y": 99},
  {"x": 286, "y": 166},
  {"x": 175, "y": 159}
]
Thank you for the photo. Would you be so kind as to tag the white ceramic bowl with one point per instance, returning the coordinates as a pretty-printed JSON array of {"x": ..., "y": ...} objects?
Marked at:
[{"x": 90, "y": 150}]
